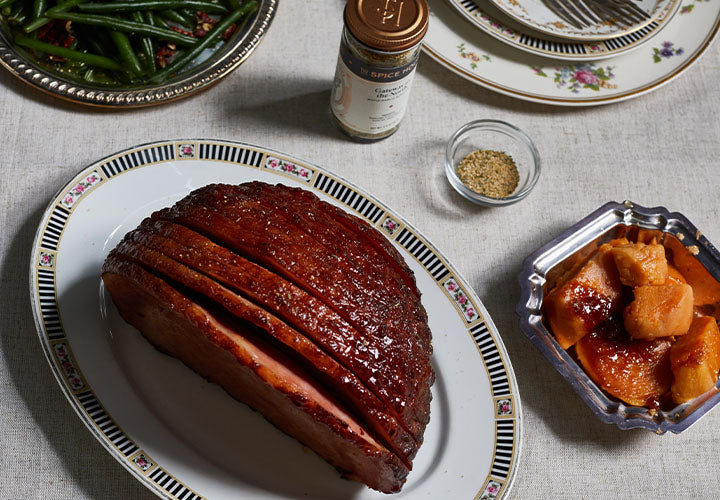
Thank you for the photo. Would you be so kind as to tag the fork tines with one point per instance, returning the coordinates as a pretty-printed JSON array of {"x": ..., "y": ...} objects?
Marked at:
[{"x": 586, "y": 13}]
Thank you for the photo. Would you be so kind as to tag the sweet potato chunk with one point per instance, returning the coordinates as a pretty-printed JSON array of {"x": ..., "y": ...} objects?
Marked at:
[
  {"x": 706, "y": 289},
  {"x": 674, "y": 276},
  {"x": 695, "y": 360},
  {"x": 641, "y": 264},
  {"x": 659, "y": 311},
  {"x": 648, "y": 235},
  {"x": 586, "y": 300},
  {"x": 634, "y": 371}
]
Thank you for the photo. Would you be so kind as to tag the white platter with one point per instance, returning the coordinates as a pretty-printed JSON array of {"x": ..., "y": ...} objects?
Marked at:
[
  {"x": 185, "y": 438},
  {"x": 459, "y": 46},
  {"x": 496, "y": 24},
  {"x": 536, "y": 15}
]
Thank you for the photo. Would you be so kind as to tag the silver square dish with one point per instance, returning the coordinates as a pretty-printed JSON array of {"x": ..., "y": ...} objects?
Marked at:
[{"x": 541, "y": 270}]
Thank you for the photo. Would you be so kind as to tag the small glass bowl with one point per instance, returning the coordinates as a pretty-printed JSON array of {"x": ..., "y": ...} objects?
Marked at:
[{"x": 499, "y": 136}]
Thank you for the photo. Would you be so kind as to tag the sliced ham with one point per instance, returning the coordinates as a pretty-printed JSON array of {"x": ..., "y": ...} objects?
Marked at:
[
  {"x": 251, "y": 371},
  {"x": 334, "y": 376},
  {"x": 258, "y": 232},
  {"x": 306, "y": 313},
  {"x": 299, "y": 309}
]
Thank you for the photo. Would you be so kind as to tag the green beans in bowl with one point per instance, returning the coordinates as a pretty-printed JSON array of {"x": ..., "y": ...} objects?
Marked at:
[{"x": 125, "y": 53}]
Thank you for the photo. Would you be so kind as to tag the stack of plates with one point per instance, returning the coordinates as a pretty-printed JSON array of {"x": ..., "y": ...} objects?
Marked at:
[{"x": 521, "y": 48}]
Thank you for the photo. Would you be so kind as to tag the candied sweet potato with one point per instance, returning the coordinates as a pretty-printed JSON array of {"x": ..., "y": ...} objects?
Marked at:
[
  {"x": 706, "y": 289},
  {"x": 586, "y": 300},
  {"x": 695, "y": 360},
  {"x": 659, "y": 311},
  {"x": 634, "y": 371},
  {"x": 640, "y": 264},
  {"x": 674, "y": 276}
]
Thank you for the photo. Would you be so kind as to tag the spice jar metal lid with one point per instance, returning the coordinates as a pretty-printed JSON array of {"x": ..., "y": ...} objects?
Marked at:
[{"x": 387, "y": 25}]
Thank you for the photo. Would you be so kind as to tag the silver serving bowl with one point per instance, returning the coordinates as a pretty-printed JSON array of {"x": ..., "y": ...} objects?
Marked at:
[
  {"x": 543, "y": 267},
  {"x": 192, "y": 80}
]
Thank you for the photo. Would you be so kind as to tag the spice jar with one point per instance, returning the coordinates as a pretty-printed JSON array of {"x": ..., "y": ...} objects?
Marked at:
[{"x": 379, "y": 50}]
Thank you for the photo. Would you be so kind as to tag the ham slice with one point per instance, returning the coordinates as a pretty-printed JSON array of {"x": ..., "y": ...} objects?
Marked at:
[{"x": 251, "y": 371}]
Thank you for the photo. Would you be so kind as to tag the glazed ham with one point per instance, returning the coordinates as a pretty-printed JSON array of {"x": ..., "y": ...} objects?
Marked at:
[{"x": 300, "y": 310}]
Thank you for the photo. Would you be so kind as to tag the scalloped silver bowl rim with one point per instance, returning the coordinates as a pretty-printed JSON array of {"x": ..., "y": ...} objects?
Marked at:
[{"x": 199, "y": 78}]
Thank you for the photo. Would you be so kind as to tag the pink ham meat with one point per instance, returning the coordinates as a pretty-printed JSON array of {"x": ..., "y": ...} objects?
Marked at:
[
  {"x": 385, "y": 319},
  {"x": 336, "y": 377},
  {"x": 252, "y": 371}
]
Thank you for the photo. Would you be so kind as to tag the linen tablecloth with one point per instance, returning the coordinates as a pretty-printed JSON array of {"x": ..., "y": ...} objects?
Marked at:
[{"x": 659, "y": 149}]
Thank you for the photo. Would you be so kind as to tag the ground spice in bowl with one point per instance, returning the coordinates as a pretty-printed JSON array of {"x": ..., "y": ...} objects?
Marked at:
[{"x": 490, "y": 173}]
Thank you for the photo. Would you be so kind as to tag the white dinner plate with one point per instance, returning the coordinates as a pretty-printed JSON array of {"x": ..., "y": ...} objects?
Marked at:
[
  {"x": 185, "y": 438},
  {"x": 459, "y": 46},
  {"x": 536, "y": 15},
  {"x": 496, "y": 24}
]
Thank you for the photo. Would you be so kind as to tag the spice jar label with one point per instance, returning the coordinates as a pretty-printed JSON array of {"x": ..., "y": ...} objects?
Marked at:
[{"x": 370, "y": 99}]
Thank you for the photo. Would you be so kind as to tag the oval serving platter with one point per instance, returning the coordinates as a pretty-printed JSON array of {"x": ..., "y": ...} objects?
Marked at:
[
  {"x": 200, "y": 77},
  {"x": 185, "y": 438}
]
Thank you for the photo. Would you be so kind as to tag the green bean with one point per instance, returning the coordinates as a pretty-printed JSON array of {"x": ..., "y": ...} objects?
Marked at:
[
  {"x": 5, "y": 3},
  {"x": 39, "y": 7},
  {"x": 156, "y": 20},
  {"x": 146, "y": 44},
  {"x": 125, "y": 51},
  {"x": 234, "y": 4},
  {"x": 42, "y": 21},
  {"x": 176, "y": 17},
  {"x": 117, "y": 24},
  {"x": 190, "y": 13},
  {"x": 180, "y": 62},
  {"x": 75, "y": 55},
  {"x": 17, "y": 14},
  {"x": 112, "y": 7}
]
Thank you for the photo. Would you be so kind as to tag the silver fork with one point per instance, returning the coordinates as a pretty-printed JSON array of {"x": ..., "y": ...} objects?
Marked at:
[
  {"x": 618, "y": 11},
  {"x": 586, "y": 13}
]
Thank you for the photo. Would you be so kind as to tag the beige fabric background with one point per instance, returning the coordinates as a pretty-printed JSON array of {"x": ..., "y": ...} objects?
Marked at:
[{"x": 660, "y": 149}]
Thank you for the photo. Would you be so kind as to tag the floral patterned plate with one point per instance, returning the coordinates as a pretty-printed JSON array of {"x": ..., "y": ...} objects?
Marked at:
[
  {"x": 536, "y": 15},
  {"x": 168, "y": 426},
  {"x": 458, "y": 45},
  {"x": 495, "y": 23}
]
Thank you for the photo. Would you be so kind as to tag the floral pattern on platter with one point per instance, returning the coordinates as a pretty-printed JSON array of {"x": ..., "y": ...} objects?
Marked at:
[
  {"x": 503, "y": 407},
  {"x": 581, "y": 76},
  {"x": 390, "y": 226},
  {"x": 687, "y": 9},
  {"x": 494, "y": 24},
  {"x": 72, "y": 196},
  {"x": 46, "y": 259},
  {"x": 63, "y": 355},
  {"x": 286, "y": 167},
  {"x": 472, "y": 56},
  {"x": 460, "y": 298},
  {"x": 491, "y": 491},
  {"x": 142, "y": 462},
  {"x": 185, "y": 151},
  {"x": 666, "y": 51}
]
